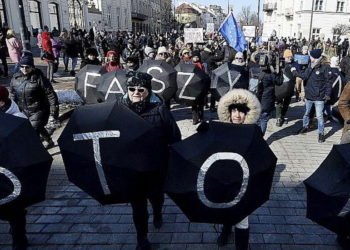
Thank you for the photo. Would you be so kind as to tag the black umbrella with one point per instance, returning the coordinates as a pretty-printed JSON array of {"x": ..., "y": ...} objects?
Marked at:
[
  {"x": 216, "y": 177},
  {"x": 24, "y": 165},
  {"x": 193, "y": 83},
  {"x": 164, "y": 78},
  {"x": 86, "y": 82},
  {"x": 105, "y": 154},
  {"x": 112, "y": 85},
  {"x": 328, "y": 191},
  {"x": 337, "y": 88},
  {"x": 226, "y": 78}
]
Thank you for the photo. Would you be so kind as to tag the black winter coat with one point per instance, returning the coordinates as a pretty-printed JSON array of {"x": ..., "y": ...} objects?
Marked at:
[
  {"x": 345, "y": 67},
  {"x": 35, "y": 97},
  {"x": 266, "y": 90},
  {"x": 317, "y": 82}
]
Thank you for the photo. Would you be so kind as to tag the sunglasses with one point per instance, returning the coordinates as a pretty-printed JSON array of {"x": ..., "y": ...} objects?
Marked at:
[
  {"x": 140, "y": 90},
  {"x": 25, "y": 67}
]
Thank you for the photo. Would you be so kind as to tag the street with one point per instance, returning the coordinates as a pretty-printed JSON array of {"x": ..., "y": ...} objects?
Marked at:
[{"x": 70, "y": 219}]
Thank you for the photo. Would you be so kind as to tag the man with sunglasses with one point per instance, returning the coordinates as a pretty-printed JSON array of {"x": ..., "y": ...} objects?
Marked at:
[
  {"x": 35, "y": 97},
  {"x": 141, "y": 100}
]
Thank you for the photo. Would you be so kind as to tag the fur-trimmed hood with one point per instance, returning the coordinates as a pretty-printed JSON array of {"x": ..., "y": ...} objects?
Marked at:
[{"x": 239, "y": 96}]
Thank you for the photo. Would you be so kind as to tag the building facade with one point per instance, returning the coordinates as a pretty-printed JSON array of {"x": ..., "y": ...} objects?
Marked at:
[
  {"x": 148, "y": 15},
  {"x": 293, "y": 18},
  {"x": 81, "y": 14}
]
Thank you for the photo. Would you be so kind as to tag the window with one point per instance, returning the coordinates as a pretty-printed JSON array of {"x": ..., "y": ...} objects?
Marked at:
[
  {"x": 118, "y": 18},
  {"x": 3, "y": 16},
  {"x": 35, "y": 14},
  {"x": 318, "y": 5},
  {"x": 54, "y": 17},
  {"x": 340, "y": 6},
  {"x": 75, "y": 13},
  {"x": 315, "y": 32}
]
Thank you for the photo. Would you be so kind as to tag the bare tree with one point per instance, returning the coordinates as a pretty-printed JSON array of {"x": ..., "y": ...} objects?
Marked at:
[
  {"x": 341, "y": 29},
  {"x": 247, "y": 16}
]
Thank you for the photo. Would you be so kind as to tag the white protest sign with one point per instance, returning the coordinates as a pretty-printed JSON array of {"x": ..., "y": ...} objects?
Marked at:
[
  {"x": 210, "y": 28},
  {"x": 193, "y": 35},
  {"x": 249, "y": 31}
]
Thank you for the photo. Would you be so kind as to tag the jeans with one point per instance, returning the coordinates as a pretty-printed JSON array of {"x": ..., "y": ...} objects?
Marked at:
[
  {"x": 319, "y": 105},
  {"x": 264, "y": 118},
  {"x": 66, "y": 61}
]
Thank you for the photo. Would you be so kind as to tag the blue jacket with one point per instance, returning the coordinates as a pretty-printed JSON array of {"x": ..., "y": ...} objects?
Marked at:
[{"x": 317, "y": 82}]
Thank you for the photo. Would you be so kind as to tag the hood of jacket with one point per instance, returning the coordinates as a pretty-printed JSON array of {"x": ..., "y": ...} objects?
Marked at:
[
  {"x": 239, "y": 96},
  {"x": 14, "y": 110}
]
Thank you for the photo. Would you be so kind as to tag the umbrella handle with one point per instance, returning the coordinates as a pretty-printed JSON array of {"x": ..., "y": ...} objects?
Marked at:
[{"x": 17, "y": 187}]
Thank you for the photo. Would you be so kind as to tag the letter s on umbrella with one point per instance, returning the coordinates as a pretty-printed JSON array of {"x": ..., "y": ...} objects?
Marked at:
[
  {"x": 204, "y": 169},
  {"x": 17, "y": 187}
]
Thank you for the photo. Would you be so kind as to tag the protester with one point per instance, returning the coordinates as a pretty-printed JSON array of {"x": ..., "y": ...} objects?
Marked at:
[
  {"x": 344, "y": 109},
  {"x": 112, "y": 61},
  {"x": 282, "y": 105},
  {"x": 198, "y": 105},
  {"x": 48, "y": 54},
  {"x": 141, "y": 100},
  {"x": 164, "y": 55},
  {"x": 299, "y": 85},
  {"x": 91, "y": 55},
  {"x": 14, "y": 47},
  {"x": 35, "y": 96},
  {"x": 71, "y": 52},
  {"x": 238, "y": 106},
  {"x": 150, "y": 54},
  {"x": 318, "y": 87}
]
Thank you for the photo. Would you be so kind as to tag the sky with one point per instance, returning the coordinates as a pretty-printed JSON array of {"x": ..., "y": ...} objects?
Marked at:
[{"x": 237, "y": 4}]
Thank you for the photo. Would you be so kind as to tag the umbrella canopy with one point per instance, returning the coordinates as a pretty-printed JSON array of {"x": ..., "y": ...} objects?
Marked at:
[
  {"x": 226, "y": 78},
  {"x": 164, "y": 78},
  {"x": 337, "y": 88},
  {"x": 215, "y": 176},
  {"x": 193, "y": 83},
  {"x": 112, "y": 85},
  {"x": 24, "y": 164},
  {"x": 104, "y": 155},
  {"x": 328, "y": 191},
  {"x": 86, "y": 82}
]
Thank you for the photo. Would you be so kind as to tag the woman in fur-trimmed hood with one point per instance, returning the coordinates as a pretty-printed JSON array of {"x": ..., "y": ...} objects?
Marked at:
[
  {"x": 238, "y": 106},
  {"x": 240, "y": 97}
]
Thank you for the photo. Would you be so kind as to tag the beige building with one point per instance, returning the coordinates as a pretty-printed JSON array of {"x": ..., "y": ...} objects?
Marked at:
[{"x": 292, "y": 18}]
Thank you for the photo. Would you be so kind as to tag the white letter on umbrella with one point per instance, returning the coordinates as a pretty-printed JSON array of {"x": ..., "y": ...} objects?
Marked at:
[
  {"x": 157, "y": 80},
  {"x": 16, "y": 186},
  {"x": 181, "y": 95},
  {"x": 110, "y": 91},
  {"x": 95, "y": 137},
  {"x": 86, "y": 84},
  {"x": 204, "y": 169}
]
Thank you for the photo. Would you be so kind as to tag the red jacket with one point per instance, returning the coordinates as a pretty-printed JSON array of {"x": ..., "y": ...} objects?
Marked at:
[{"x": 46, "y": 44}]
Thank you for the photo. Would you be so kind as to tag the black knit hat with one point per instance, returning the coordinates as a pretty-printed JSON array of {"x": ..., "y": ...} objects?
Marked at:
[
  {"x": 241, "y": 107},
  {"x": 91, "y": 51},
  {"x": 139, "y": 79}
]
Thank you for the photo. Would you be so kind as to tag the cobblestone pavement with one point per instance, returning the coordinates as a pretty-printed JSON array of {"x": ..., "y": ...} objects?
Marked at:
[{"x": 70, "y": 219}]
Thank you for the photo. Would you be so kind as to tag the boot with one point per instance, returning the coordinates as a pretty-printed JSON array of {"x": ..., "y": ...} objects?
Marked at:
[
  {"x": 195, "y": 118},
  {"x": 321, "y": 138},
  {"x": 241, "y": 238},
  {"x": 280, "y": 122},
  {"x": 143, "y": 244},
  {"x": 157, "y": 220},
  {"x": 303, "y": 130},
  {"x": 18, "y": 232},
  {"x": 224, "y": 236}
]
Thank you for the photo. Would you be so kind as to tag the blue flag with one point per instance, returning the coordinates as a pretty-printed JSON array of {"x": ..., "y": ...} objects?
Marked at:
[{"x": 233, "y": 34}]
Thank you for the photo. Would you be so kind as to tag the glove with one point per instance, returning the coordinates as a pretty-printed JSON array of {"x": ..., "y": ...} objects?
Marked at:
[
  {"x": 293, "y": 69},
  {"x": 326, "y": 98}
]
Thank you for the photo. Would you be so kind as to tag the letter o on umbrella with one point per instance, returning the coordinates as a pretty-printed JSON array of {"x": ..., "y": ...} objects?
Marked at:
[
  {"x": 24, "y": 165},
  {"x": 215, "y": 176}
]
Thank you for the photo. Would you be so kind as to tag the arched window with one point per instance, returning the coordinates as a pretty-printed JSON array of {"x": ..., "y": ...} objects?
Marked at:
[
  {"x": 54, "y": 16},
  {"x": 3, "y": 16},
  {"x": 35, "y": 14},
  {"x": 75, "y": 13}
]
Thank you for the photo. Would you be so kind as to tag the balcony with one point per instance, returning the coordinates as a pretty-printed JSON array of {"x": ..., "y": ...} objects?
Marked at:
[
  {"x": 138, "y": 16},
  {"x": 289, "y": 13},
  {"x": 269, "y": 7}
]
